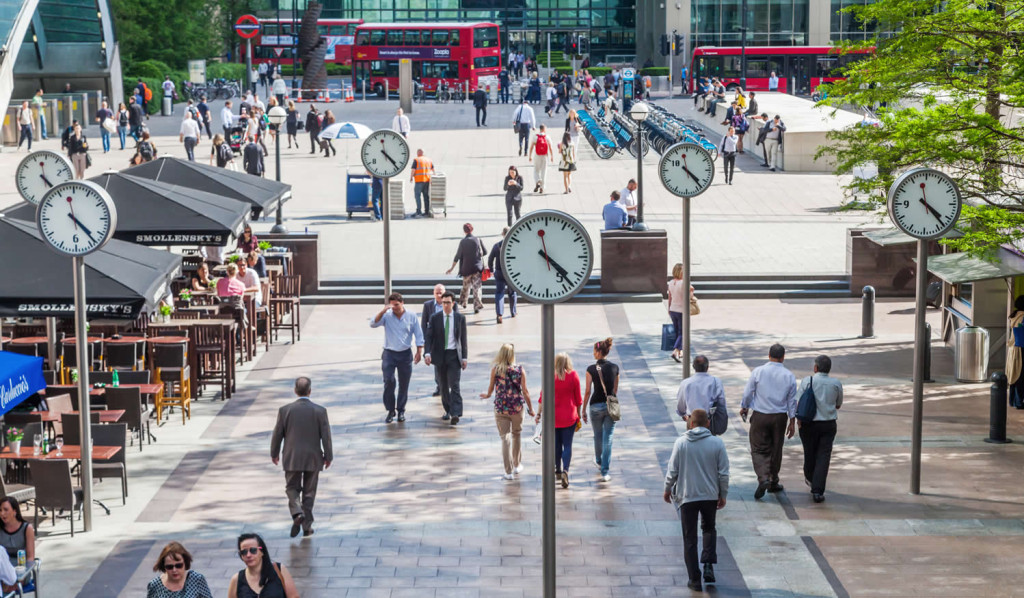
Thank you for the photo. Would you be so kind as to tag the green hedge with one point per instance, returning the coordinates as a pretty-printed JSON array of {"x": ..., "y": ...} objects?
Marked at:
[
  {"x": 601, "y": 71},
  {"x": 655, "y": 71},
  {"x": 227, "y": 70},
  {"x": 333, "y": 70},
  {"x": 149, "y": 68},
  {"x": 154, "y": 84}
]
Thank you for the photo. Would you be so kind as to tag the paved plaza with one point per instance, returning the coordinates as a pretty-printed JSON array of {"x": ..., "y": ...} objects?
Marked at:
[{"x": 420, "y": 509}]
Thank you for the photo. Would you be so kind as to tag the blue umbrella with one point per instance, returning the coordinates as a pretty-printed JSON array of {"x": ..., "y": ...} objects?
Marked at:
[{"x": 21, "y": 376}]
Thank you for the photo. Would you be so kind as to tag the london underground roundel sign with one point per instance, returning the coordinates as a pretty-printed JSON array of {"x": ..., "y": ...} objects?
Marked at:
[{"x": 247, "y": 27}]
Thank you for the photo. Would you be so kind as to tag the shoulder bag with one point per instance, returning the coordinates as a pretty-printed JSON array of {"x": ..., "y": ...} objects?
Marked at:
[
  {"x": 614, "y": 411},
  {"x": 519, "y": 116},
  {"x": 807, "y": 407}
]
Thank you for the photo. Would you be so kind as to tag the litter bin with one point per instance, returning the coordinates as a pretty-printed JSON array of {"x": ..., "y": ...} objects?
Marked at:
[
  {"x": 167, "y": 108},
  {"x": 971, "y": 354},
  {"x": 357, "y": 194}
]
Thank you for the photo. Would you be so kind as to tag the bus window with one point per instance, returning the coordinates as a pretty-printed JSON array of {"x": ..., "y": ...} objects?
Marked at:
[
  {"x": 412, "y": 37},
  {"x": 377, "y": 37},
  {"x": 453, "y": 38},
  {"x": 439, "y": 37},
  {"x": 757, "y": 67},
  {"x": 485, "y": 37},
  {"x": 730, "y": 66},
  {"x": 485, "y": 62},
  {"x": 451, "y": 69},
  {"x": 708, "y": 66},
  {"x": 394, "y": 37},
  {"x": 827, "y": 66},
  {"x": 269, "y": 29},
  {"x": 391, "y": 68},
  {"x": 377, "y": 68},
  {"x": 322, "y": 30},
  {"x": 363, "y": 38}
]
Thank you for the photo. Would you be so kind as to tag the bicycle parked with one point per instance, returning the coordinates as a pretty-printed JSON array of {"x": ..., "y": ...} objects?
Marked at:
[{"x": 443, "y": 94}]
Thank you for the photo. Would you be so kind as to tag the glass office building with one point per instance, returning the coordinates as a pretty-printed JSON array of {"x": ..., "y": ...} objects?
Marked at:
[{"x": 769, "y": 22}]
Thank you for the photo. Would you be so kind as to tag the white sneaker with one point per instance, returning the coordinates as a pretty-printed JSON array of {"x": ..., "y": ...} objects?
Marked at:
[
  {"x": 519, "y": 468},
  {"x": 606, "y": 478},
  {"x": 508, "y": 476}
]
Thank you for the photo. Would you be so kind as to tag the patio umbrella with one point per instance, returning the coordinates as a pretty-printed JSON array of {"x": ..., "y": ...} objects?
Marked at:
[
  {"x": 154, "y": 213},
  {"x": 346, "y": 130},
  {"x": 21, "y": 376},
  {"x": 264, "y": 195},
  {"x": 121, "y": 280}
]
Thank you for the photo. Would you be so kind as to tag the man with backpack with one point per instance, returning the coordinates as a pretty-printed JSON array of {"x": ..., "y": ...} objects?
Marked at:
[
  {"x": 701, "y": 391},
  {"x": 818, "y": 434},
  {"x": 135, "y": 118},
  {"x": 542, "y": 146}
]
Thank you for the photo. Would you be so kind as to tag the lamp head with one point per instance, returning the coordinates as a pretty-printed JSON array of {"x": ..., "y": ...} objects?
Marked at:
[
  {"x": 277, "y": 115},
  {"x": 639, "y": 111}
]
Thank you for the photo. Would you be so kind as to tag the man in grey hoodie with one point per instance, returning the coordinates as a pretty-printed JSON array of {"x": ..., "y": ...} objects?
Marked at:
[{"x": 697, "y": 484}]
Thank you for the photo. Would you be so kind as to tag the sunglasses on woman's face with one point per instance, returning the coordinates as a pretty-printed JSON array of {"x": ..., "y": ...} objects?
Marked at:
[
  {"x": 169, "y": 566},
  {"x": 245, "y": 551}
]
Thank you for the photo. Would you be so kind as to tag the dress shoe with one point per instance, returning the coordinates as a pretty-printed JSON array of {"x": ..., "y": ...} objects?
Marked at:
[
  {"x": 676, "y": 358},
  {"x": 499, "y": 319},
  {"x": 455, "y": 420},
  {"x": 761, "y": 489},
  {"x": 309, "y": 532},
  {"x": 297, "y": 522},
  {"x": 773, "y": 170},
  {"x": 776, "y": 487},
  {"x": 447, "y": 416},
  {"x": 709, "y": 573},
  {"x": 401, "y": 416},
  {"x": 695, "y": 586},
  {"x": 390, "y": 418},
  {"x": 818, "y": 497}
]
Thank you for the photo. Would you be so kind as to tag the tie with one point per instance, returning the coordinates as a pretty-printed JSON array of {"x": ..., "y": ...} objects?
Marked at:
[{"x": 447, "y": 319}]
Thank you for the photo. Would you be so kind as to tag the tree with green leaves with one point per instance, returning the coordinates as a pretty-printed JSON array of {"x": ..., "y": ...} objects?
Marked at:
[{"x": 948, "y": 90}]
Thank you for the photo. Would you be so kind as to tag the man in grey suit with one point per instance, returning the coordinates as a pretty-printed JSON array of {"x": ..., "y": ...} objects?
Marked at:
[
  {"x": 446, "y": 350},
  {"x": 304, "y": 427}
]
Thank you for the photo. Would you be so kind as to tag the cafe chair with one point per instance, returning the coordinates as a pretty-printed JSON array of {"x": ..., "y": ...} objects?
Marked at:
[
  {"x": 173, "y": 372},
  {"x": 29, "y": 350},
  {"x": 170, "y": 332},
  {"x": 284, "y": 301},
  {"x": 102, "y": 378},
  {"x": 123, "y": 356},
  {"x": 141, "y": 377},
  {"x": 69, "y": 359},
  {"x": 130, "y": 400},
  {"x": 50, "y": 376},
  {"x": 71, "y": 424},
  {"x": 55, "y": 489},
  {"x": 58, "y": 404},
  {"x": 21, "y": 492},
  {"x": 212, "y": 356},
  {"x": 115, "y": 467}
]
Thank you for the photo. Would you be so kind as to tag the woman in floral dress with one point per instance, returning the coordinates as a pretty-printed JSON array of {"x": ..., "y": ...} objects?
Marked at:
[{"x": 508, "y": 384}]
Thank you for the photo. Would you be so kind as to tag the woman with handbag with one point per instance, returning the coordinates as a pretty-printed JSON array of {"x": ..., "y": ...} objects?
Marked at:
[
  {"x": 567, "y": 162},
  {"x": 78, "y": 151},
  {"x": 602, "y": 395},
  {"x": 513, "y": 193},
  {"x": 568, "y": 414},
  {"x": 262, "y": 577},
  {"x": 123, "y": 119},
  {"x": 676, "y": 304},
  {"x": 508, "y": 384},
  {"x": 291, "y": 124},
  {"x": 730, "y": 142}
]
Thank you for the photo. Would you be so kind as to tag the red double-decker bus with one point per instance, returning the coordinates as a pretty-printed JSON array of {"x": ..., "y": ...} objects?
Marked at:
[
  {"x": 807, "y": 67},
  {"x": 454, "y": 52},
  {"x": 277, "y": 40}
]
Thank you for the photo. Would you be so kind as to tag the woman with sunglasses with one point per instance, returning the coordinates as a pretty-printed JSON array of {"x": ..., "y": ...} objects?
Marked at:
[
  {"x": 261, "y": 578},
  {"x": 248, "y": 242},
  {"x": 176, "y": 579}
]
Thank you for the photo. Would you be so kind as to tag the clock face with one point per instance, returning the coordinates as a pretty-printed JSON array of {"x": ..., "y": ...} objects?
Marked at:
[
  {"x": 924, "y": 203},
  {"x": 547, "y": 256},
  {"x": 686, "y": 169},
  {"x": 385, "y": 153},
  {"x": 39, "y": 172},
  {"x": 76, "y": 218}
]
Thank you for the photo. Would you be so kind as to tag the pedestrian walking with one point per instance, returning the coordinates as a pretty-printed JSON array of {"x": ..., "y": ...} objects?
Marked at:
[
  {"x": 262, "y": 577},
  {"x": 469, "y": 258},
  {"x": 573, "y": 126},
  {"x": 24, "y": 118},
  {"x": 500, "y": 285},
  {"x": 614, "y": 214},
  {"x": 446, "y": 350},
  {"x": 505, "y": 82},
  {"x": 479, "y": 98},
  {"x": 227, "y": 119},
  {"x": 513, "y": 194},
  {"x": 568, "y": 414},
  {"x": 123, "y": 120},
  {"x": 677, "y": 302},
  {"x": 771, "y": 395},
  {"x": 401, "y": 331},
  {"x": 430, "y": 307},
  {"x": 1014, "y": 354},
  {"x": 508, "y": 385},
  {"x": 420, "y": 174},
  {"x": 252, "y": 158},
  {"x": 741, "y": 125},
  {"x": 313, "y": 128},
  {"x": 280, "y": 89},
  {"x": 376, "y": 196},
  {"x": 730, "y": 143},
  {"x": 522, "y": 121},
  {"x": 145, "y": 150},
  {"x": 261, "y": 70},
  {"x": 551, "y": 95},
  {"x": 221, "y": 154},
  {"x": 697, "y": 484},
  {"x": 700, "y": 391},
  {"x": 772, "y": 135},
  {"x": 533, "y": 93},
  {"x": 541, "y": 145},
  {"x": 105, "y": 118},
  {"x": 78, "y": 151},
  {"x": 205, "y": 116},
  {"x": 567, "y": 161},
  {"x": 189, "y": 135},
  {"x": 627, "y": 198},
  {"x": 400, "y": 124},
  {"x": 176, "y": 578},
  {"x": 602, "y": 377},
  {"x": 305, "y": 430},
  {"x": 325, "y": 142},
  {"x": 40, "y": 107},
  {"x": 291, "y": 124},
  {"x": 817, "y": 436}
]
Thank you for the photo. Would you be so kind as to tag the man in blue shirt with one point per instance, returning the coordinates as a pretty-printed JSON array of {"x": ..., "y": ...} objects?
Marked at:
[
  {"x": 771, "y": 393},
  {"x": 700, "y": 391},
  {"x": 614, "y": 214},
  {"x": 401, "y": 330}
]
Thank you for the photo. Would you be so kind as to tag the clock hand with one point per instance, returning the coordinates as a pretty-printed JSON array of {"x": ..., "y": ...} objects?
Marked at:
[
  {"x": 540, "y": 233},
  {"x": 558, "y": 267},
  {"x": 46, "y": 180},
  {"x": 383, "y": 151},
  {"x": 78, "y": 224},
  {"x": 692, "y": 176},
  {"x": 924, "y": 200}
]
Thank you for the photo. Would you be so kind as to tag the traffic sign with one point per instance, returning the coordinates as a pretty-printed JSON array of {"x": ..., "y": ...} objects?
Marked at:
[
  {"x": 628, "y": 73},
  {"x": 247, "y": 27},
  {"x": 278, "y": 51}
]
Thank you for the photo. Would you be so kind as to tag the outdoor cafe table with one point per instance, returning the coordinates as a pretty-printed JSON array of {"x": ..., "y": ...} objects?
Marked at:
[
  {"x": 70, "y": 451},
  {"x": 107, "y": 416},
  {"x": 146, "y": 390},
  {"x": 4, "y": 340}
]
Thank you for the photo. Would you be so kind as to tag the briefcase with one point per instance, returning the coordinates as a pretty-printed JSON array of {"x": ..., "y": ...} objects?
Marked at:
[{"x": 668, "y": 337}]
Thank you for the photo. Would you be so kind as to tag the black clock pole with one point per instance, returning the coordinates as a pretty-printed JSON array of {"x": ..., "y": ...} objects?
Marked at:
[
  {"x": 547, "y": 356},
  {"x": 385, "y": 202},
  {"x": 920, "y": 348},
  {"x": 84, "y": 364},
  {"x": 686, "y": 288}
]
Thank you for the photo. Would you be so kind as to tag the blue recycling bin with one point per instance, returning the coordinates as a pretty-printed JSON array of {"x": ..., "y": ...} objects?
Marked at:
[{"x": 357, "y": 194}]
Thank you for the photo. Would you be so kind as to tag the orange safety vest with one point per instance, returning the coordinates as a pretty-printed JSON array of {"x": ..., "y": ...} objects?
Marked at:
[{"x": 421, "y": 170}]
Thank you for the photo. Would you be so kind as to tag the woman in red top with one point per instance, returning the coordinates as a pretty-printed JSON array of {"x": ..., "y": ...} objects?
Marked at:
[{"x": 568, "y": 406}]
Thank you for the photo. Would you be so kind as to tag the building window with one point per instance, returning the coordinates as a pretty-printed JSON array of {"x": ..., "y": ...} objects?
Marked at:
[{"x": 769, "y": 22}]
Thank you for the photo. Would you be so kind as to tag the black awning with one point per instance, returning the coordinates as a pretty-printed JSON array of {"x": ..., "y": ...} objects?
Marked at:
[
  {"x": 154, "y": 213},
  {"x": 263, "y": 194},
  {"x": 121, "y": 280}
]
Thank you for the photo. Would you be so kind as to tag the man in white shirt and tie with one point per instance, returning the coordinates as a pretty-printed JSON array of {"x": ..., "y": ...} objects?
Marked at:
[
  {"x": 447, "y": 351},
  {"x": 400, "y": 124},
  {"x": 771, "y": 394}
]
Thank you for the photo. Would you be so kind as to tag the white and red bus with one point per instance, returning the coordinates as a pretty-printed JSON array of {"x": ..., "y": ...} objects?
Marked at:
[
  {"x": 805, "y": 66},
  {"x": 277, "y": 39},
  {"x": 454, "y": 52}
]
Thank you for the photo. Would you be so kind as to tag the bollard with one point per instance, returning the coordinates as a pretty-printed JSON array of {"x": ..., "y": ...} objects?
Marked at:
[
  {"x": 867, "y": 316},
  {"x": 466, "y": 97},
  {"x": 997, "y": 410},
  {"x": 928, "y": 352},
  {"x": 364, "y": 89},
  {"x": 387, "y": 89}
]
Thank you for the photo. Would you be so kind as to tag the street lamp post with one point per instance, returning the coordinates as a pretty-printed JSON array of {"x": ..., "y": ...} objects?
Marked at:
[
  {"x": 743, "y": 47},
  {"x": 638, "y": 112},
  {"x": 277, "y": 115}
]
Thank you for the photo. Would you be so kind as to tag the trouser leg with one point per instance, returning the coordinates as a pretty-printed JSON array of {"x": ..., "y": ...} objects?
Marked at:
[
  {"x": 309, "y": 484},
  {"x": 677, "y": 323},
  {"x": 709, "y": 536},
  {"x": 388, "y": 366},
  {"x": 293, "y": 489},
  {"x": 404, "y": 375},
  {"x": 809, "y": 439},
  {"x": 464, "y": 294},
  {"x": 778, "y": 431},
  {"x": 760, "y": 436},
  {"x": 688, "y": 514},
  {"x": 499, "y": 297},
  {"x": 826, "y": 431},
  {"x": 453, "y": 369},
  {"x": 504, "y": 423},
  {"x": 441, "y": 375},
  {"x": 516, "y": 432},
  {"x": 477, "y": 282}
]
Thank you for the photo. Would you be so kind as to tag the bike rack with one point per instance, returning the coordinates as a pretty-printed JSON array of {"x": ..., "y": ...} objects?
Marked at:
[
  {"x": 665, "y": 129},
  {"x": 599, "y": 137},
  {"x": 625, "y": 133}
]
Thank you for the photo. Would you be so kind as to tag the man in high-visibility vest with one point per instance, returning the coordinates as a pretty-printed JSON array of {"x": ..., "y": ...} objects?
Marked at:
[{"x": 422, "y": 170}]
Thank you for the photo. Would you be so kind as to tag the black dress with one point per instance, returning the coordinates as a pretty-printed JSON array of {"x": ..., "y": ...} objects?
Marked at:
[
  {"x": 292, "y": 122},
  {"x": 273, "y": 589}
]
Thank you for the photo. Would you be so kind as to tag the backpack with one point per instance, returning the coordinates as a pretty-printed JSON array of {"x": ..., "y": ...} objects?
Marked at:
[
  {"x": 146, "y": 150},
  {"x": 542, "y": 145},
  {"x": 147, "y": 93},
  {"x": 807, "y": 407},
  {"x": 226, "y": 155}
]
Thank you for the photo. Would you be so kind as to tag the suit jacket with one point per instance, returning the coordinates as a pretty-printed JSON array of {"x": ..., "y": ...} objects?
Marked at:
[
  {"x": 429, "y": 309},
  {"x": 494, "y": 261},
  {"x": 436, "y": 343},
  {"x": 252, "y": 159},
  {"x": 304, "y": 426}
]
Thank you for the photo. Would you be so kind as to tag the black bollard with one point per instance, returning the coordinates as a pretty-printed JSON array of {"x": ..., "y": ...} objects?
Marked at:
[
  {"x": 928, "y": 352},
  {"x": 997, "y": 410},
  {"x": 867, "y": 316}
]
